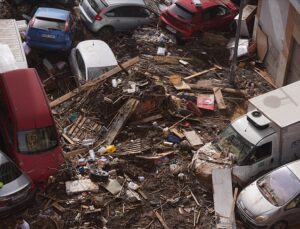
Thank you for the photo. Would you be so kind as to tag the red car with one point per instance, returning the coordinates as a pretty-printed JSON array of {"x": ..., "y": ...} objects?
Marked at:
[
  {"x": 27, "y": 128},
  {"x": 186, "y": 18}
]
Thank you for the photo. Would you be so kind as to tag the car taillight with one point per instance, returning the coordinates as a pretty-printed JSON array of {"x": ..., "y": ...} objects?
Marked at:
[
  {"x": 98, "y": 17},
  {"x": 67, "y": 28},
  {"x": 31, "y": 22}
]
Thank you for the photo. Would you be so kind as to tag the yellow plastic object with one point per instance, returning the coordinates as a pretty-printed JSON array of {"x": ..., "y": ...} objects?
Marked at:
[{"x": 111, "y": 149}]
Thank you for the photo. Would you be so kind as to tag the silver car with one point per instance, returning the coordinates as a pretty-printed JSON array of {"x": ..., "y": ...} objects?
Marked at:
[
  {"x": 108, "y": 16},
  {"x": 16, "y": 188},
  {"x": 272, "y": 201},
  {"x": 90, "y": 59}
]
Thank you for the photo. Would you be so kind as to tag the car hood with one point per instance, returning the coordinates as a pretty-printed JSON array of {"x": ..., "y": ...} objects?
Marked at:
[
  {"x": 254, "y": 202},
  {"x": 14, "y": 186}
]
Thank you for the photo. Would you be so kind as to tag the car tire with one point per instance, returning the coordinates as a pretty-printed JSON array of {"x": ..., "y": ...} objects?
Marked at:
[
  {"x": 106, "y": 32},
  {"x": 280, "y": 225}
]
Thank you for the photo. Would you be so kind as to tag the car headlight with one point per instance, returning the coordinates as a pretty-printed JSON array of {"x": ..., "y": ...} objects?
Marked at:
[{"x": 261, "y": 219}]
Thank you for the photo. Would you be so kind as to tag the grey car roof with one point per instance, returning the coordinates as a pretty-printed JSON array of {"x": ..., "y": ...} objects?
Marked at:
[
  {"x": 295, "y": 168},
  {"x": 122, "y": 2}
]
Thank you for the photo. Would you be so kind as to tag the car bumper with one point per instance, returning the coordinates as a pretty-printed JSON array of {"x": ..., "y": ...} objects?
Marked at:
[
  {"x": 248, "y": 222},
  {"x": 180, "y": 33},
  {"x": 18, "y": 206},
  {"x": 92, "y": 26},
  {"x": 49, "y": 46}
]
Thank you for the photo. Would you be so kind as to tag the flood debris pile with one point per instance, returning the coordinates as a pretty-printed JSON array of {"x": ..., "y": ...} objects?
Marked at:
[{"x": 129, "y": 137}]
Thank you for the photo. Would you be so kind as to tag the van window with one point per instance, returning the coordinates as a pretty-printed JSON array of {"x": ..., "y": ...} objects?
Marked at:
[
  {"x": 9, "y": 172},
  {"x": 37, "y": 140},
  {"x": 262, "y": 152}
]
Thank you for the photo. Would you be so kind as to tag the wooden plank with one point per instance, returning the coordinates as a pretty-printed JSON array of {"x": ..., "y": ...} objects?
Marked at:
[
  {"x": 223, "y": 198},
  {"x": 156, "y": 157},
  {"x": 92, "y": 83},
  {"x": 75, "y": 125},
  {"x": 66, "y": 137},
  {"x": 193, "y": 138},
  {"x": 57, "y": 206},
  {"x": 73, "y": 153},
  {"x": 119, "y": 120},
  {"x": 266, "y": 76},
  {"x": 216, "y": 67},
  {"x": 219, "y": 98},
  {"x": 77, "y": 129},
  {"x": 161, "y": 220},
  {"x": 227, "y": 90}
]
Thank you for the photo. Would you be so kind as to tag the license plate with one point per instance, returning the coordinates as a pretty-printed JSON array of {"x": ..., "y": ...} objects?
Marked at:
[
  {"x": 170, "y": 29},
  {"x": 48, "y": 36}
]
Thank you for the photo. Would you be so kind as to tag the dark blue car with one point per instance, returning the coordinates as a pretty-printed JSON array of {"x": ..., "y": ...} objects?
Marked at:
[{"x": 50, "y": 29}]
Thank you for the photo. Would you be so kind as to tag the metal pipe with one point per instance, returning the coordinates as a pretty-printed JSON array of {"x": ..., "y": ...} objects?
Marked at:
[{"x": 236, "y": 45}]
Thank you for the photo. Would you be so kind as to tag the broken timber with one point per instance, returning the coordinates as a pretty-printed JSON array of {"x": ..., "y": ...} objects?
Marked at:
[
  {"x": 94, "y": 82},
  {"x": 227, "y": 90},
  {"x": 216, "y": 67},
  {"x": 119, "y": 120},
  {"x": 219, "y": 98}
]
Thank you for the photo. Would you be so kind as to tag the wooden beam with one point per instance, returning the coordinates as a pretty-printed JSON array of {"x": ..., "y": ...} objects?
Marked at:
[
  {"x": 219, "y": 98},
  {"x": 73, "y": 153},
  {"x": 94, "y": 82},
  {"x": 161, "y": 220},
  {"x": 227, "y": 90},
  {"x": 203, "y": 72}
]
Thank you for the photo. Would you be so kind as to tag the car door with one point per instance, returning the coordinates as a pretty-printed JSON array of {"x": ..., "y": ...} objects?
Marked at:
[
  {"x": 292, "y": 211},
  {"x": 81, "y": 69},
  {"x": 259, "y": 161},
  {"x": 216, "y": 17},
  {"x": 125, "y": 18}
]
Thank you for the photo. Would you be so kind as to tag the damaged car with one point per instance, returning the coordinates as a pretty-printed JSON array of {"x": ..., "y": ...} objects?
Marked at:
[
  {"x": 272, "y": 201},
  {"x": 187, "y": 18},
  {"x": 90, "y": 59},
  {"x": 16, "y": 188}
]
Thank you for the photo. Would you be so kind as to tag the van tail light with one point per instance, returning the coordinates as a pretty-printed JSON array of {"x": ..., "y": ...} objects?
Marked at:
[
  {"x": 31, "y": 22},
  {"x": 67, "y": 28}
]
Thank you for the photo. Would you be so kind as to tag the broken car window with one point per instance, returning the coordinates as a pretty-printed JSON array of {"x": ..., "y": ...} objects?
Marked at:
[
  {"x": 48, "y": 24},
  {"x": 279, "y": 186},
  {"x": 230, "y": 142},
  {"x": 181, "y": 11},
  {"x": 9, "y": 172},
  {"x": 37, "y": 140}
]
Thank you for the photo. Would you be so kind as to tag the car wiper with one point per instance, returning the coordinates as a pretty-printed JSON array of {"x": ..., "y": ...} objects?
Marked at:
[{"x": 267, "y": 193}]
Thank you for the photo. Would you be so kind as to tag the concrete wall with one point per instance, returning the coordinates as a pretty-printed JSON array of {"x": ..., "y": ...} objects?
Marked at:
[{"x": 272, "y": 20}]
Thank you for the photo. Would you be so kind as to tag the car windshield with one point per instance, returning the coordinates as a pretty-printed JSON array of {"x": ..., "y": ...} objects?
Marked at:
[
  {"x": 97, "y": 5},
  {"x": 97, "y": 71},
  {"x": 49, "y": 24},
  {"x": 9, "y": 172},
  {"x": 279, "y": 186},
  {"x": 231, "y": 142},
  {"x": 37, "y": 140},
  {"x": 181, "y": 11}
]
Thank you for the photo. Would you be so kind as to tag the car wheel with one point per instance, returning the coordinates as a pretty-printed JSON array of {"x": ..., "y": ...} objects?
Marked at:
[
  {"x": 106, "y": 33},
  {"x": 280, "y": 225}
]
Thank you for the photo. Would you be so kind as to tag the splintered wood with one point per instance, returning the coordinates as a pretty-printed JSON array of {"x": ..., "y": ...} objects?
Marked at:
[
  {"x": 119, "y": 120},
  {"x": 94, "y": 82},
  {"x": 219, "y": 98},
  {"x": 83, "y": 128}
]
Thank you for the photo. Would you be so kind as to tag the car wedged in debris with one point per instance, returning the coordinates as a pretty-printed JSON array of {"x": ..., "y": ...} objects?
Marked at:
[
  {"x": 27, "y": 126},
  {"x": 272, "y": 201},
  {"x": 108, "y": 16},
  {"x": 90, "y": 59},
  {"x": 50, "y": 29},
  {"x": 16, "y": 188},
  {"x": 187, "y": 18}
]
